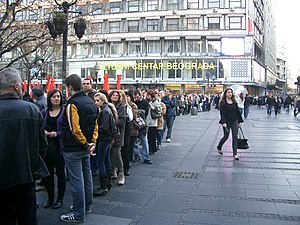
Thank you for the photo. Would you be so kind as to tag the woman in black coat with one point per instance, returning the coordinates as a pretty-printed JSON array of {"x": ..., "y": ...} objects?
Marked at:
[{"x": 230, "y": 119}]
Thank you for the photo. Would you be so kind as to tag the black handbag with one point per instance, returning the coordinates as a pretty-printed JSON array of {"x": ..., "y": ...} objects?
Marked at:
[
  {"x": 242, "y": 141},
  {"x": 41, "y": 170}
]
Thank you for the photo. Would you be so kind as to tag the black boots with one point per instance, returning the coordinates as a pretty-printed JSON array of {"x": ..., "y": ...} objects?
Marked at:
[
  {"x": 58, "y": 203},
  {"x": 103, "y": 189}
]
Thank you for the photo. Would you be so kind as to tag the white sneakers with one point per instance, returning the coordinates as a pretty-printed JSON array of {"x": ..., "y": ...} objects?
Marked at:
[
  {"x": 121, "y": 178},
  {"x": 169, "y": 140}
]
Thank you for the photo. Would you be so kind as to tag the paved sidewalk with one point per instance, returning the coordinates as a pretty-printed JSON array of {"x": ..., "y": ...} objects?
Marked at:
[{"x": 190, "y": 183}]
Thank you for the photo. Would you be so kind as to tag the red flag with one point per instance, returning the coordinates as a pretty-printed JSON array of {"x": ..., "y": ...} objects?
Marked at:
[
  {"x": 119, "y": 78},
  {"x": 53, "y": 86},
  {"x": 106, "y": 85},
  {"x": 25, "y": 86},
  {"x": 58, "y": 87}
]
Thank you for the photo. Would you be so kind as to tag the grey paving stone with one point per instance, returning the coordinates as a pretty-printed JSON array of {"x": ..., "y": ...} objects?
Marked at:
[
  {"x": 178, "y": 187},
  {"x": 205, "y": 203},
  {"x": 266, "y": 181},
  {"x": 158, "y": 217},
  {"x": 288, "y": 209},
  {"x": 271, "y": 194},
  {"x": 124, "y": 212},
  {"x": 203, "y": 218},
  {"x": 221, "y": 191},
  {"x": 255, "y": 221},
  {"x": 247, "y": 206},
  {"x": 169, "y": 202}
]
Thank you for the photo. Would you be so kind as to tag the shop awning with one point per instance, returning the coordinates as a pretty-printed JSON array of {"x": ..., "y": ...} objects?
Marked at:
[{"x": 279, "y": 85}]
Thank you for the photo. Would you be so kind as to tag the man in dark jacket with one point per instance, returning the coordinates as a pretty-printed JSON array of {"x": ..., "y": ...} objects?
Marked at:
[
  {"x": 80, "y": 132},
  {"x": 22, "y": 140},
  {"x": 169, "y": 101}
]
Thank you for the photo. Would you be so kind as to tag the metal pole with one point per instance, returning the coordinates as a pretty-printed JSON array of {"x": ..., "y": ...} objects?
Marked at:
[
  {"x": 64, "y": 58},
  {"x": 96, "y": 80}
]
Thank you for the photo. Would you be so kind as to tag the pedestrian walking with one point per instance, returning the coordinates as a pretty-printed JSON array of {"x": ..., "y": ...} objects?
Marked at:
[
  {"x": 23, "y": 141},
  {"x": 230, "y": 119},
  {"x": 270, "y": 103},
  {"x": 53, "y": 117},
  {"x": 80, "y": 132}
]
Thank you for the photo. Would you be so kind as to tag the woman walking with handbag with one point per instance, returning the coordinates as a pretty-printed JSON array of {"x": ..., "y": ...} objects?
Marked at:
[{"x": 230, "y": 119}]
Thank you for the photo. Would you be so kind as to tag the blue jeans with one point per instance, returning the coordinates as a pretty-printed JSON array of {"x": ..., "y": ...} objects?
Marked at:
[
  {"x": 159, "y": 136},
  {"x": 145, "y": 147},
  {"x": 169, "y": 120},
  {"x": 269, "y": 110},
  {"x": 81, "y": 183},
  {"x": 103, "y": 157}
]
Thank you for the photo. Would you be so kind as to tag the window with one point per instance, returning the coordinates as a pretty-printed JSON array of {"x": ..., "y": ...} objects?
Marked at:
[
  {"x": 193, "y": 23},
  {"x": 194, "y": 46},
  {"x": 172, "y": 24},
  {"x": 149, "y": 72},
  {"x": 134, "y": 47},
  {"x": 96, "y": 9},
  {"x": 173, "y": 46},
  {"x": 115, "y": 7},
  {"x": 172, "y": 4},
  {"x": 84, "y": 50},
  {"x": 213, "y": 46},
  {"x": 152, "y": 25},
  {"x": 153, "y": 47},
  {"x": 152, "y": 5},
  {"x": 114, "y": 27},
  {"x": 33, "y": 14},
  {"x": 213, "y": 3},
  {"x": 193, "y": 4},
  {"x": 133, "y": 6},
  {"x": 20, "y": 15},
  {"x": 214, "y": 23},
  {"x": 98, "y": 49},
  {"x": 133, "y": 26},
  {"x": 116, "y": 48},
  {"x": 175, "y": 72},
  {"x": 235, "y": 3},
  {"x": 235, "y": 22}
]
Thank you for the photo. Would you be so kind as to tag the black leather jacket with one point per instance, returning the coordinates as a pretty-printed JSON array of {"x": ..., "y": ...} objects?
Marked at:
[{"x": 22, "y": 138}]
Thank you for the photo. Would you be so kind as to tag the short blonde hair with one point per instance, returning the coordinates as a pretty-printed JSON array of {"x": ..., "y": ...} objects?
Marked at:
[{"x": 102, "y": 97}]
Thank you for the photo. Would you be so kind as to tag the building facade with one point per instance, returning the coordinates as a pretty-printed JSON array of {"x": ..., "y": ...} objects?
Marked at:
[{"x": 186, "y": 45}]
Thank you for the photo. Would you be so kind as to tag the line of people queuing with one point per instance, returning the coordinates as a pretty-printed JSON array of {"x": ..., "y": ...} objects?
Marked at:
[{"x": 94, "y": 131}]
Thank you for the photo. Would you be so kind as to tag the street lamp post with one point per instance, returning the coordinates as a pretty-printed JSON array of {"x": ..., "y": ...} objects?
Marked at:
[
  {"x": 60, "y": 26},
  {"x": 96, "y": 69},
  {"x": 36, "y": 71}
]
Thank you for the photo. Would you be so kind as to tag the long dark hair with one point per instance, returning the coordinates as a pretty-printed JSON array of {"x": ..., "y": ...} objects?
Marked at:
[
  {"x": 223, "y": 100},
  {"x": 50, "y": 94}
]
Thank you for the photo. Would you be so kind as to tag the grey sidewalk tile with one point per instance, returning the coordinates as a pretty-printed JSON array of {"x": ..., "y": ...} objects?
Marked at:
[
  {"x": 169, "y": 202},
  {"x": 272, "y": 194},
  {"x": 247, "y": 186},
  {"x": 124, "y": 212},
  {"x": 295, "y": 182},
  {"x": 266, "y": 181},
  {"x": 255, "y": 221},
  {"x": 206, "y": 218},
  {"x": 93, "y": 219},
  {"x": 178, "y": 187},
  {"x": 288, "y": 209},
  {"x": 205, "y": 203},
  {"x": 228, "y": 192},
  {"x": 129, "y": 197},
  {"x": 278, "y": 165},
  {"x": 247, "y": 206},
  {"x": 158, "y": 217}
]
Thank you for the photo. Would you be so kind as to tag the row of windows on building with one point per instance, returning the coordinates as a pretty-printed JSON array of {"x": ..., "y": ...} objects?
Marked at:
[
  {"x": 223, "y": 22},
  {"x": 132, "y": 6},
  {"x": 131, "y": 48}
]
